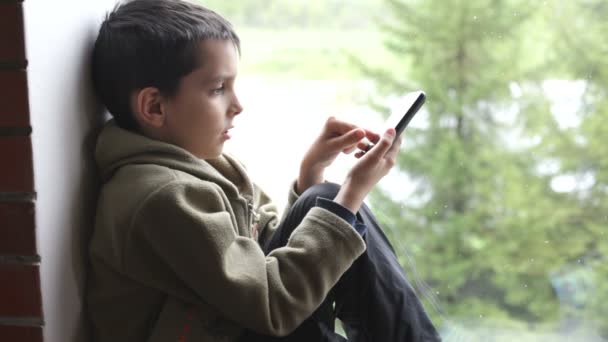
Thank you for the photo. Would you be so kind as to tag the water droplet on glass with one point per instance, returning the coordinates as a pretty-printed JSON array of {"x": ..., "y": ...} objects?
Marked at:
[
  {"x": 525, "y": 285},
  {"x": 474, "y": 17},
  {"x": 546, "y": 241},
  {"x": 480, "y": 316}
]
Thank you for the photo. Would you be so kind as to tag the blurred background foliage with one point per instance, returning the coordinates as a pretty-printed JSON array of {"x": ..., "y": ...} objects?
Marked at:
[{"x": 507, "y": 223}]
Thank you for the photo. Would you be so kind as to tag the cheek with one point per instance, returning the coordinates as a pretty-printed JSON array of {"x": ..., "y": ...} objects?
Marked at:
[
  {"x": 188, "y": 111},
  {"x": 198, "y": 115}
]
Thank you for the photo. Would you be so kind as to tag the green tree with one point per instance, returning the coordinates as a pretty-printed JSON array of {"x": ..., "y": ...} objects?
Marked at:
[
  {"x": 485, "y": 227},
  {"x": 582, "y": 46}
]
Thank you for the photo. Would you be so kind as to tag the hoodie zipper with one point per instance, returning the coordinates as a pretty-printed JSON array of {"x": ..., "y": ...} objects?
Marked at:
[{"x": 253, "y": 218}]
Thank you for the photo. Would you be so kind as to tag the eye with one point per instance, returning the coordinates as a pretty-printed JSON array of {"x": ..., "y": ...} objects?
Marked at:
[{"x": 219, "y": 91}]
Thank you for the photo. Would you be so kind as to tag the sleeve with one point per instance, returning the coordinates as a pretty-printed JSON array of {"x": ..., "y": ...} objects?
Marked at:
[
  {"x": 337, "y": 209},
  {"x": 183, "y": 241},
  {"x": 268, "y": 211}
]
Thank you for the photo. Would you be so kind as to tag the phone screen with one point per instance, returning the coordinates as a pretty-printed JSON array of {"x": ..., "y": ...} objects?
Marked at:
[
  {"x": 403, "y": 112},
  {"x": 405, "y": 109}
]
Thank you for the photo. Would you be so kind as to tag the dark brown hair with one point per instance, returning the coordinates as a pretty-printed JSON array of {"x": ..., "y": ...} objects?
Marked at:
[{"x": 150, "y": 43}]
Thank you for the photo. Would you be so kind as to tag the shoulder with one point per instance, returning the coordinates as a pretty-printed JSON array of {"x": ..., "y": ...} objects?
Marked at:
[
  {"x": 138, "y": 186},
  {"x": 185, "y": 193},
  {"x": 144, "y": 179}
]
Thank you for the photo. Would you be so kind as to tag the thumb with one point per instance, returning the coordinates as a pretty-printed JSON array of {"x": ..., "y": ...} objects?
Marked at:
[{"x": 380, "y": 149}]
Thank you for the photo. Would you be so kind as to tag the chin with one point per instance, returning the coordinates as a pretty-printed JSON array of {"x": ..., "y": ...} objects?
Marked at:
[{"x": 210, "y": 154}]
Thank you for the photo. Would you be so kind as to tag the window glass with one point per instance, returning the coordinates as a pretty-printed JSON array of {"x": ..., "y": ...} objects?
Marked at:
[{"x": 498, "y": 207}]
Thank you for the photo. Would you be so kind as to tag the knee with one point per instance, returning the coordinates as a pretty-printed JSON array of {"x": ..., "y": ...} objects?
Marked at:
[
  {"x": 326, "y": 190},
  {"x": 306, "y": 201}
]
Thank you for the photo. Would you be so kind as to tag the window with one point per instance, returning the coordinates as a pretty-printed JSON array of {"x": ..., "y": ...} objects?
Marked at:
[{"x": 498, "y": 206}]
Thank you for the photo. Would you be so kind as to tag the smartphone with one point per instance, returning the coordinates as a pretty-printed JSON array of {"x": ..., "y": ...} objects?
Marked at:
[{"x": 403, "y": 112}]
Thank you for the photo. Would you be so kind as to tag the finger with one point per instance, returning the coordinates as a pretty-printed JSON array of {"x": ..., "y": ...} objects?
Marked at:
[
  {"x": 338, "y": 127},
  {"x": 372, "y": 136},
  {"x": 349, "y": 139},
  {"x": 394, "y": 150},
  {"x": 349, "y": 150},
  {"x": 364, "y": 145},
  {"x": 382, "y": 147}
]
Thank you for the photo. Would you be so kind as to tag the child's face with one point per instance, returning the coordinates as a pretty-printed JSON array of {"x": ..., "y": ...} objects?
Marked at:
[{"x": 199, "y": 116}]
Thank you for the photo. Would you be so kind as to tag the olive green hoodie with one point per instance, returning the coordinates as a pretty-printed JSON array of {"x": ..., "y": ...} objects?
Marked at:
[{"x": 174, "y": 254}]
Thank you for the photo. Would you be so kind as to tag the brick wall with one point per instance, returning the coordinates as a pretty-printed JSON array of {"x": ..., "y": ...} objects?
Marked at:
[{"x": 20, "y": 297}]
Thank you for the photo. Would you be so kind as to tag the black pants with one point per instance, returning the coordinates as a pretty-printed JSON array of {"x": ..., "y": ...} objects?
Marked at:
[{"x": 373, "y": 299}]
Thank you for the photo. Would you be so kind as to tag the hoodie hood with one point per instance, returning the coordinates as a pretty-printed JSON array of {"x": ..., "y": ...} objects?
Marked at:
[{"x": 117, "y": 147}]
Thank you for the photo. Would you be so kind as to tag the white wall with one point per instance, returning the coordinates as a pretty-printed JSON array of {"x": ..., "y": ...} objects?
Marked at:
[{"x": 64, "y": 116}]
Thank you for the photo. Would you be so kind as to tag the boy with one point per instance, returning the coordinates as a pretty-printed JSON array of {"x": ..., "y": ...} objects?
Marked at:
[{"x": 185, "y": 246}]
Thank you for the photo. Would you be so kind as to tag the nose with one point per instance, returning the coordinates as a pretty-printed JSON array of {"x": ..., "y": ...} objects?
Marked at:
[{"x": 236, "y": 107}]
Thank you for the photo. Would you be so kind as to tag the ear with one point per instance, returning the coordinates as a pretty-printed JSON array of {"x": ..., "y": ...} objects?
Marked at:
[{"x": 148, "y": 107}]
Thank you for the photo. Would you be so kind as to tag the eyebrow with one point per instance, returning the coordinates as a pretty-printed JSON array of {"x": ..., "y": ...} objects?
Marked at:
[{"x": 220, "y": 78}]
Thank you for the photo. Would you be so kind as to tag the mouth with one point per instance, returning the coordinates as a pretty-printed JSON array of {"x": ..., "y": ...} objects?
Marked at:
[{"x": 226, "y": 134}]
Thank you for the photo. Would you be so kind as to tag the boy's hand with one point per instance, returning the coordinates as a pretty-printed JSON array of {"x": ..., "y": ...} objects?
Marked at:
[
  {"x": 337, "y": 136},
  {"x": 368, "y": 171}
]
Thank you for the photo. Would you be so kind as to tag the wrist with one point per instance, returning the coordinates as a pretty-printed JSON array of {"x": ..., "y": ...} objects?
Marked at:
[
  {"x": 308, "y": 177},
  {"x": 350, "y": 197}
]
